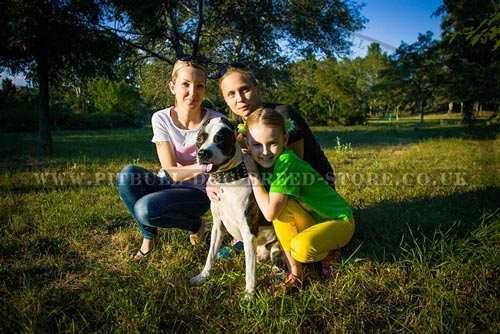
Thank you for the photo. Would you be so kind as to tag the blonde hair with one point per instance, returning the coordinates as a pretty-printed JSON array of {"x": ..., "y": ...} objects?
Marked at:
[
  {"x": 268, "y": 117},
  {"x": 181, "y": 64},
  {"x": 245, "y": 71}
]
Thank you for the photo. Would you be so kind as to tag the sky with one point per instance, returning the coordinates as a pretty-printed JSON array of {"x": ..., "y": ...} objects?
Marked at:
[{"x": 392, "y": 21}]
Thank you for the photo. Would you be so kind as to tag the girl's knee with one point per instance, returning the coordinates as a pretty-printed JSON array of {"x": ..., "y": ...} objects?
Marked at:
[{"x": 302, "y": 250}]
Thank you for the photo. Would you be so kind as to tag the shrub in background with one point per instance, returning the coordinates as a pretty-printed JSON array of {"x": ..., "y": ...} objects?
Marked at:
[{"x": 17, "y": 108}]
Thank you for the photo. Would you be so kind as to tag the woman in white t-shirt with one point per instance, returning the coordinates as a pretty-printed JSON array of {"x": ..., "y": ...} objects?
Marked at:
[{"x": 175, "y": 197}]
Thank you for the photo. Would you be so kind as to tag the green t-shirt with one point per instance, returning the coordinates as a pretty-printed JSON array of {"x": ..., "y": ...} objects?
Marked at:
[{"x": 294, "y": 177}]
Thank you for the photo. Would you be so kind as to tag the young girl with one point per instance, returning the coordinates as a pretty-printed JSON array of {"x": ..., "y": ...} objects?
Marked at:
[{"x": 309, "y": 217}]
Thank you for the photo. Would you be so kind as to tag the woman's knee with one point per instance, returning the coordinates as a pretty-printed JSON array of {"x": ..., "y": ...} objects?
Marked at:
[
  {"x": 128, "y": 176},
  {"x": 141, "y": 211}
]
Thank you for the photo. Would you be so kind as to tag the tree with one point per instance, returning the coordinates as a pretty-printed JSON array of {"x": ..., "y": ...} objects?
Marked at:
[
  {"x": 472, "y": 66},
  {"x": 368, "y": 77},
  {"x": 153, "y": 78},
  {"x": 302, "y": 91},
  {"x": 252, "y": 31},
  {"x": 48, "y": 40},
  {"x": 488, "y": 32},
  {"x": 391, "y": 88},
  {"x": 419, "y": 66}
]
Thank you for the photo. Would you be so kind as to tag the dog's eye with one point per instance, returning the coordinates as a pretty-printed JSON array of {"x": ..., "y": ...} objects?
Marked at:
[
  {"x": 219, "y": 138},
  {"x": 201, "y": 138}
]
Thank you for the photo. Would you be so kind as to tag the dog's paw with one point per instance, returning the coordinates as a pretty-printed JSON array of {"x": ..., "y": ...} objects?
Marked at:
[
  {"x": 198, "y": 280},
  {"x": 247, "y": 297},
  {"x": 275, "y": 254}
]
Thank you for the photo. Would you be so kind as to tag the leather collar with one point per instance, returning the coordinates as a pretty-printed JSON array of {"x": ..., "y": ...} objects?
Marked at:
[{"x": 231, "y": 175}]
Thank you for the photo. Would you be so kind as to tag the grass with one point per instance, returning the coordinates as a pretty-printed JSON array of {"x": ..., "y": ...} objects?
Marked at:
[{"x": 424, "y": 258}]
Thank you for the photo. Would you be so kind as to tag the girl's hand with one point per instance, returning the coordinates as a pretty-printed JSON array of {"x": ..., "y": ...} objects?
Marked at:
[{"x": 250, "y": 165}]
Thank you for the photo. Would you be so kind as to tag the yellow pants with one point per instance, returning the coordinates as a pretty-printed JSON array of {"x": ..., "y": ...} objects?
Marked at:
[{"x": 305, "y": 238}]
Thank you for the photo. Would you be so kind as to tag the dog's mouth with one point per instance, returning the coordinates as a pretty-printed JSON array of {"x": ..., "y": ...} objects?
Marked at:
[{"x": 207, "y": 168}]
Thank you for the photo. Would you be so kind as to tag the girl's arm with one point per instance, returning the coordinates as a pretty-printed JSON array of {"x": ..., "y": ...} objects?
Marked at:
[
  {"x": 168, "y": 161},
  {"x": 270, "y": 204}
]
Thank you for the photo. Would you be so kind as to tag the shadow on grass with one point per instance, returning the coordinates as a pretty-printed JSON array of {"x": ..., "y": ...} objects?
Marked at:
[
  {"x": 382, "y": 229},
  {"x": 385, "y": 134}
]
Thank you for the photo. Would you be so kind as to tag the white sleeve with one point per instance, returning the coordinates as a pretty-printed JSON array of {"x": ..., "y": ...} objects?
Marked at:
[{"x": 160, "y": 127}]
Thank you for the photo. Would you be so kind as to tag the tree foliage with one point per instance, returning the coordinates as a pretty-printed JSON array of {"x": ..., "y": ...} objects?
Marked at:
[
  {"x": 114, "y": 97},
  {"x": 250, "y": 30}
]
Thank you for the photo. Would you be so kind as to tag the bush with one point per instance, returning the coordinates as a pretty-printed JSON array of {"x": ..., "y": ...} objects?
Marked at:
[
  {"x": 18, "y": 111},
  {"x": 348, "y": 117},
  {"x": 64, "y": 119},
  {"x": 115, "y": 97}
]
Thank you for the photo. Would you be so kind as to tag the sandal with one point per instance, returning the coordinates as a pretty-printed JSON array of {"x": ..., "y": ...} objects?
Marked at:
[
  {"x": 195, "y": 238},
  {"x": 141, "y": 256},
  {"x": 330, "y": 263}
]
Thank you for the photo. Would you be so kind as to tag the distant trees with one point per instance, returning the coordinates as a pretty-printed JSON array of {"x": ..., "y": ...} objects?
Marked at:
[
  {"x": 114, "y": 97},
  {"x": 422, "y": 77},
  {"x": 337, "y": 92},
  {"x": 417, "y": 70}
]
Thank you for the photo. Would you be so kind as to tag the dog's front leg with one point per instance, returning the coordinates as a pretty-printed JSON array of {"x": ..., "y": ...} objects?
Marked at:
[
  {"x": 216, "y": 238},
  {"x": 250, "y": 245}
]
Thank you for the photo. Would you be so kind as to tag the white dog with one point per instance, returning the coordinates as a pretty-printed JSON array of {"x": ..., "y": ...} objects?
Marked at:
[{"x": 237, "y": 211}]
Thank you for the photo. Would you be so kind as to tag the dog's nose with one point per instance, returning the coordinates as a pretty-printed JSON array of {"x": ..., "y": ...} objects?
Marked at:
[{"x": 204, "y": 154}]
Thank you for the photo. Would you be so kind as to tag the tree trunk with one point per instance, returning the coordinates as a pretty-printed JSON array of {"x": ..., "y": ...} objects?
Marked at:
[
  {"x": 421, "y": 107},
  {"x": 468, "y": 110},
  {"x": 43, "y": 105}
]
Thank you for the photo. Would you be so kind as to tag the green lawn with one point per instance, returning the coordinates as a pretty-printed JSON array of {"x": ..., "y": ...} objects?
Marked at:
[{"x": 424, "y": 257}]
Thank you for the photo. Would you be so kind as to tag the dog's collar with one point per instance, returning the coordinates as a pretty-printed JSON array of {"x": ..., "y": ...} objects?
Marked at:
[{"x": 231, "y": 175}]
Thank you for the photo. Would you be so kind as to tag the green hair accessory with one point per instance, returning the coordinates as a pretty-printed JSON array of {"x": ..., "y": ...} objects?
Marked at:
[
  {"x": 242, "y": 128},
  {"x": 289, "y": 126}
]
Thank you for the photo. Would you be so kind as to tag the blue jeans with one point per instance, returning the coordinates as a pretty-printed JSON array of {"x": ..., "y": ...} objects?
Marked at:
[{"x": 154, "y": 202}]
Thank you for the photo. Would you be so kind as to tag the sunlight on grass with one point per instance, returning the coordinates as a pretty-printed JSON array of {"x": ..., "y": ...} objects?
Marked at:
[{"x": 424, "y": 258}]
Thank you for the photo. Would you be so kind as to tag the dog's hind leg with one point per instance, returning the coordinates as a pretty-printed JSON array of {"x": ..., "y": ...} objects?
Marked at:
[{"x": 216, "y": 238}]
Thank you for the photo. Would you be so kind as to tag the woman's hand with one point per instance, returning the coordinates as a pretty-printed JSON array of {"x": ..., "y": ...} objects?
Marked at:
[{"x": 212, "y": 190}]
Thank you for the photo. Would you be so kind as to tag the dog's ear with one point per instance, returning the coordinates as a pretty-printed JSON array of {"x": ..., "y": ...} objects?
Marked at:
[
  {"x": 205, "y": 123},
  {"x": 231, "y": 125}
]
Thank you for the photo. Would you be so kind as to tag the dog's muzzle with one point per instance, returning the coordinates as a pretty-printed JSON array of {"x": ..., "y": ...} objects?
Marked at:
[
  {"x": 204, "y": 161},
  {"x": 204, "y": 155}
]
